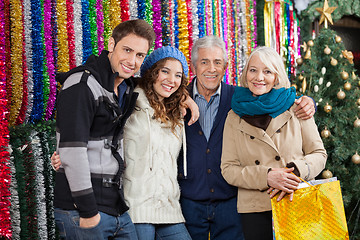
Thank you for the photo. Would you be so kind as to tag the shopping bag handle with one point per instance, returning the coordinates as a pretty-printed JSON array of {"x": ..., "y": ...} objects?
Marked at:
[{"x": 303, "y": 180}]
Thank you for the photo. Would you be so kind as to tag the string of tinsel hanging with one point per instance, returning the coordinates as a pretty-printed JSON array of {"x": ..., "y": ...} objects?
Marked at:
[
  {"x": 16, "y": 59},
  {"x": 77, "y": 10},
  {"x": 133, "y": 10},
  {"x": 86, "y": 40},
  {"x": 223, "y": 15},
  {"x": 38, "y": 60},
  {"x": 5, "y": 177},
  {"x": 165, "y": 23},
  {"x": 175, "y": 22},
  {"x": 24, "y": 102},
  {"x": 39, "y": 184},
  {"x": 45, "y": 79},
  {"x": 106, "y": 20},
  {"x": 63, "y": 46},
  {"x": 189, "y": 32},
  {"x": 46, "y": 133},
  {"x": 93, "y": 26},
  {"x": 157, "y": 22},
  {"x": 15, "y": 205},
  {"x": 201, "y": 18},
  {"x": 141, "y": 9},
  {"x": 195, "y": 20},
  {"x": 29, "y": 56},
  {"x": 50, "y": 67},
  {"x": 183, "y": 29},
  {"x": 172, "y": 22},
  {"x": 70, "y": 32},
  {"x": 100, "y": 25},
  {"x": 125, "y": 12}
]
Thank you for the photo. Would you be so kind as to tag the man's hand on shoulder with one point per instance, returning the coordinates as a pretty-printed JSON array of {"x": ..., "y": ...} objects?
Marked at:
[
  {"x": 191, "y": 104},
  {"x": 305, "y": 108}
]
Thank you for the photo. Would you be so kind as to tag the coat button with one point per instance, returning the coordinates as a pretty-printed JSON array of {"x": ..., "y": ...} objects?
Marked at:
[
  {"x": 209, "y": 170},
  {"x": 277, "y": 158},
  {"x": 252, "y": 137},
  {"x": 212, "y": 190},
  {"x": 208, "y": 151},
  {"x": 200, "y": 133},
  {"x": 257, "y": 162}
]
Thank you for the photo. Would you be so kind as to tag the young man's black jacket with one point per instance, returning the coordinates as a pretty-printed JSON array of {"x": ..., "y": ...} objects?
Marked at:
[{"x": 88, "y": 113}]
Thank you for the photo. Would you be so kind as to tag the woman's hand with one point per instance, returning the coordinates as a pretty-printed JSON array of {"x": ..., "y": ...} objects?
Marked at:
[
  {"x": 282, "y": 180},
  {"x": 191, "y": 104},
  {"x": 55, "y": 161},
  {"x": 274, "y": 191}
]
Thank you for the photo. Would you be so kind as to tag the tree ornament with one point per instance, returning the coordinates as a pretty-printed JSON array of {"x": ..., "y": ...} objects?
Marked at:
[
  {"x": 341, "y": 95},
  {"x": 333, "y": 61},
  {"x": 294, "y": 85},
  {"x": 328, "y": 84},
  {"x": 327, "y": 50},
  {"x": 299, "y": 61},
  {"x": 325, "y": 12},
  {"x": 357, "y": 123},
  {"x": 301, "y": 77},
  {"x": 344, "y": 75},
  {"x": 327, "y": 174},
  {"x": 308, "y": 54},
  {"x": 356, "y": 158},
  {"x": 321, "y": 81},
  {"x": 303, "y": 85},
  {"x": 338, "y": 39},
  {"x": 325, "y": 133},
  {"x": 323, "y": 70},
  {"x": 358, "y": 102},
  {"x": 347, "y": 86},
  {"x": 348, "y": 55},
  {"x": 353, "y": 76},
  {"x": 304, "y": 47},
  {"x": 310, "y": 43},
  {"x": 327, "y": 108},
  {"x": 316, "y": 88}
]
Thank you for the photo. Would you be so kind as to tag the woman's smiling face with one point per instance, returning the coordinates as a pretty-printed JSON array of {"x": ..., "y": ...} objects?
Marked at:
[
  {"x": 259, "y": 77},
  {"x": 169, "y": 79}
]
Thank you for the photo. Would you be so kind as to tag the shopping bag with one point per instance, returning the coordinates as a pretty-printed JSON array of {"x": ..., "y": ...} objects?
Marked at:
[{"x": 316, "y": 213}]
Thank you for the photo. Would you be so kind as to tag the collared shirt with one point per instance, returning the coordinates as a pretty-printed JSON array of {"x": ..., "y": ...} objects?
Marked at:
[
  {"x": 208, "y": 110},
  {"x": 121, "y": 91}
]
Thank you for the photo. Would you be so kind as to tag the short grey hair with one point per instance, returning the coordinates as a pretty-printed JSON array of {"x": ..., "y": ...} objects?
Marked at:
[
  {"x": 273, "y": 61},
  {"x": 208, "y": 42}
]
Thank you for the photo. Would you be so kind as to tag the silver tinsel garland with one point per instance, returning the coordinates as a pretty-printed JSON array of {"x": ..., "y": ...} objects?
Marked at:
[
  {"x": 14, "y": 208},
  {"x": 39, "y": 186},
  {"x": 28, "y": 54}
]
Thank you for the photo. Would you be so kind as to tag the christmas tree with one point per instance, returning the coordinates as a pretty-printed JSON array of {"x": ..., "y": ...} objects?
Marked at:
[{"x": 326, "y": 73}]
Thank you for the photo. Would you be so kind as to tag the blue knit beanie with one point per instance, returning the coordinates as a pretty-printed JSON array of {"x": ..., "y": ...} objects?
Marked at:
[{"x": 161, "y": 53}]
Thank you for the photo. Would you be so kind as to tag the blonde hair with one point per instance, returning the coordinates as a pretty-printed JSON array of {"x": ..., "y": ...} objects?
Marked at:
[{"x": 273, "y": 61}]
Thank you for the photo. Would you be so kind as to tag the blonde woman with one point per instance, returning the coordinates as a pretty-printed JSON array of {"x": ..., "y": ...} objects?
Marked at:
[{"x": 264, "y": 142}]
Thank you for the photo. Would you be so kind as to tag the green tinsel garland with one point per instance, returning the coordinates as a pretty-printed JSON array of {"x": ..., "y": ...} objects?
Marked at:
[{"x": 28, "y": 141}]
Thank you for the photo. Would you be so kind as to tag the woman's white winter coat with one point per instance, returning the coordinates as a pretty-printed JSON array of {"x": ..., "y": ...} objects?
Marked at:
[{"x": 150, "y": 180}]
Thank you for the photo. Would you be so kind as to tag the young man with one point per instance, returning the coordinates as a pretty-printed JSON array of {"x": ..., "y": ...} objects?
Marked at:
[
  {"x": 91, "y": 112},
  {"x": 208, "y": 202}
]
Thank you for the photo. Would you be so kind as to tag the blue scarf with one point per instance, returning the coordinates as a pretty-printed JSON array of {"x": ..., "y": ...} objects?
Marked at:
[{"x": 273, "y": 103}]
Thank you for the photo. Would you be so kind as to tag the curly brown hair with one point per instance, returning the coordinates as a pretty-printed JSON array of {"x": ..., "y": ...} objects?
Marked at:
[{"x": 168, "y": 110}]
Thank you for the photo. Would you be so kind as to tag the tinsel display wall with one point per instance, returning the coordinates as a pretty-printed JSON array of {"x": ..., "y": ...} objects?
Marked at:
[{"x": 41, "y": 37}]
